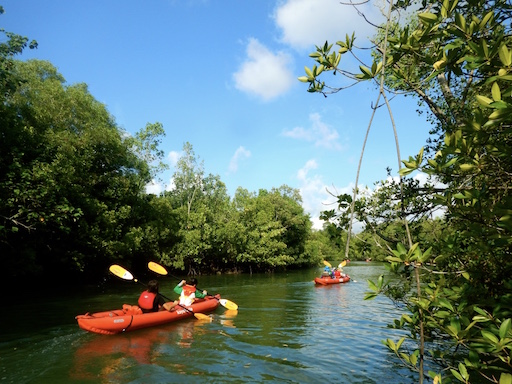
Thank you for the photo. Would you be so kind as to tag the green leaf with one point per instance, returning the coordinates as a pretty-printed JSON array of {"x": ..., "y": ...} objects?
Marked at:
[
  {"x": 505, "y": 55},
  {"x": 427, "y": 17},
  {"x": 426, "y": 255},
  {"x": 483, "y": 100},
  {"x": 486, "y": 19},
  {"x": 467, "y": 167},
  {"x": 372, "y": 285},
  {"x": 496, "y": 93},
  {"x": 455, "y": 324},
  {"x": 505, "y": 378},
  {"x": 414, "y": 359},
  {"x": 463, "y": 371},
  {"x": 391, "y": 345},
  {"x": 432, "y": 163},
  {"x": 460, "y": 21},
  {"x": 443, "y": 314},
  {"x": 366, "y": 71},
  {"x": 443, "y": 302},
  {"x": 480, "y": 311},
  {"x": 444, "y": 8},
  {"x": 490, "y": 336},
  {"x": 457, "y": 375},
  {"x": 405, "y": 171},
  {"x": 505, "y": 328}
]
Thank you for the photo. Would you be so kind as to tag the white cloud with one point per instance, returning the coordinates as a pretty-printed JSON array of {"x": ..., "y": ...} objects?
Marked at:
[
  {"x": 305, "y": 23},
  {"x": 313, "y": 192},
  {"x": 154, "y": 188},
  {"x": 318, "y": 197},
  {"x": 264, "y": 73},
  {"x": 173, "y": 157},
  {"x": 240, "y": 154},
  {"x": 319, "y": 133}
]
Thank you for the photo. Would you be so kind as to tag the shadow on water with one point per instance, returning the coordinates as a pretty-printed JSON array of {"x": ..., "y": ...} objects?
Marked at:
[{"x": 286, "y": 330}]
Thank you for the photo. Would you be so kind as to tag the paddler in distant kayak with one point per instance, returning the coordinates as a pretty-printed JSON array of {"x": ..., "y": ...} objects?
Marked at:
[{"x": 326, "y": 272}]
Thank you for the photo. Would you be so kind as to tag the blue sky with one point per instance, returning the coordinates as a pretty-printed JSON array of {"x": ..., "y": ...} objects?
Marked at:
[{"x": 222, "y": 75}]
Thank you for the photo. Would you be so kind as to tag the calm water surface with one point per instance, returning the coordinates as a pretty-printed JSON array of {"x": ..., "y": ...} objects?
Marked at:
[{"x": 286, "y": 330}]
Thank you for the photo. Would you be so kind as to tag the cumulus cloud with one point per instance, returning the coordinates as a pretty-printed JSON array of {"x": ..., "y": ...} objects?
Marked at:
[
  {"x": 240, "y": 154},
  {"x": 154, "y": 188},
  {"x": 173, "y": 157},
  {"x": 305, "y": 23},
  {"x": 264, "y": 73},
  {"x": 318, "y": 196},
  {"x": 313, "y": 192},
  {"x": 319, "y": 133}
]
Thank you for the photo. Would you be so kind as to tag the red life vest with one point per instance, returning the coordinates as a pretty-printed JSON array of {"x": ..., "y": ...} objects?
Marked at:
[
  {"x": 188, "y": 290},
  {"x": 147, "y": 300}
]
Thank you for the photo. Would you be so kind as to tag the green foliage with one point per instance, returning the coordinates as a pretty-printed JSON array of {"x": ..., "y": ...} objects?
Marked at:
[
  {"x": 73, "y": 201},
  {"x": 456, "y": 58},
  {"x": 74, "y": 185},
  {"x": 69, "y": 177},
  {"x": 252, "y": 232}
]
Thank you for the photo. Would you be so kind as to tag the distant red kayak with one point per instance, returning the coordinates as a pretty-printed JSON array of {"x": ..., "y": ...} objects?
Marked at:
[
  {"x": 330, "y": 280},
  {"x": 131, "y": 318}
]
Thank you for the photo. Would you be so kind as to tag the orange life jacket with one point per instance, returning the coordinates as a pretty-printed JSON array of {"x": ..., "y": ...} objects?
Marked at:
[{"x": 188, "y": 294}]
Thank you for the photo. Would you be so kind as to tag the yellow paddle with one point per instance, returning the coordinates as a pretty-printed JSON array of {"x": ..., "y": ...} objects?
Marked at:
[
  {"x": 341, "y": 265},
  {"x": 157, "y": 268},
  {"x": 124, "y": 274},
  {"x": 327, "y": 264}
]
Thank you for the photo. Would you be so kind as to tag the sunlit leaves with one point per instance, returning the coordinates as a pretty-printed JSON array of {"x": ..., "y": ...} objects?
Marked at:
[
  {"x": 457, "y": 58},
  {"x": 375, "y": 288},
  {"x": 505, "y": 55}
]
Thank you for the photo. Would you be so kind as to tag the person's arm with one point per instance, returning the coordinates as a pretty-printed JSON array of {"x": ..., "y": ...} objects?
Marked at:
[
  {"x": 201, "y": 295},
  {"x": 178, "y": 288}
]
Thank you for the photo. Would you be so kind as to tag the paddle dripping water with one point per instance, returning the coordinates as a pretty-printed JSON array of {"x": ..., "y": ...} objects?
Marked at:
[{"x": 285, "y": 330}]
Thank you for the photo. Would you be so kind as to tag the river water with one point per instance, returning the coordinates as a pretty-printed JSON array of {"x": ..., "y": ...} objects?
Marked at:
[{"x": 286, "y": 330}]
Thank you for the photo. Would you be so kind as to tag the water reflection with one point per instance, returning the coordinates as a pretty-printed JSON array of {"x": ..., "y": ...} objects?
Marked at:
[
  {"x": 105, "y": 355},
  {"x": 286, "y": 330},
  {"x": 227, "y": 319}
]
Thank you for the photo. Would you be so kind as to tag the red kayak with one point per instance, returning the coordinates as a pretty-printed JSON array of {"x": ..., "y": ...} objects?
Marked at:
[
  {"x": 131, "y": 318},
  {"x": 330, "y": 280}
]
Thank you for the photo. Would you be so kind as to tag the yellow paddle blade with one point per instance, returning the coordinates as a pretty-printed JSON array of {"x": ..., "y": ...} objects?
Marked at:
[
  {"x": 157, "y": 268},
  {"x": 121, "y": 272},
  {"x": 228, "y": 304},
  {"x": 327, "y": 264},
  {"x": 202, "y": 316},
  {"x": 342, "y": 264},
  {"x": 230, "y": 313}
]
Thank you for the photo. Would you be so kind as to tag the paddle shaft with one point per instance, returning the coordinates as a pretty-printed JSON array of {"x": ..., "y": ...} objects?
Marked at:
[
  {"x": 157, "y": 268},
  {"x": 166, "y": 298},
  {"x": 177, "y": 278}
]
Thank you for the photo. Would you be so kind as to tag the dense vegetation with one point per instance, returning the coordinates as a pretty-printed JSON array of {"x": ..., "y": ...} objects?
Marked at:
[
  {"x": 73, "y": 200},
  {"x": 455, "y": 57}
]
